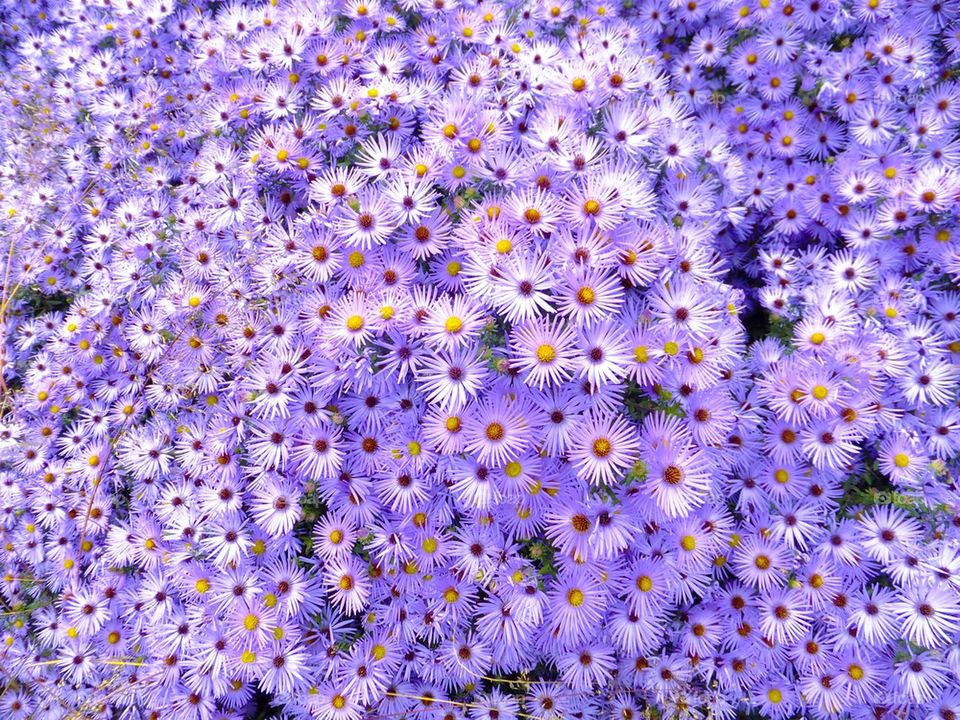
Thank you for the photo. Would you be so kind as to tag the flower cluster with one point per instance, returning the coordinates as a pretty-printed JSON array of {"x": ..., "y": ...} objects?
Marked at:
[{"x": 458, "y": 359}]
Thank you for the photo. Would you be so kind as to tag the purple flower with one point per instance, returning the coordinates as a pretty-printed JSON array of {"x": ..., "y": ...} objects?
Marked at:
[{"x": 467, "y": 360}]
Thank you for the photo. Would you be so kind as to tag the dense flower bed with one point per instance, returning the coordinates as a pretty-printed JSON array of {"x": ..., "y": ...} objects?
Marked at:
[{"x": 444, "y": 359}]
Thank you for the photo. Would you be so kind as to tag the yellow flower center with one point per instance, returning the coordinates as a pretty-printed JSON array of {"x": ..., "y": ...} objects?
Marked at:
[
  {"x": 546, "y": 353},
  {"x": 602, "y": 447},
  {"x": 494, "y": 431}
]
